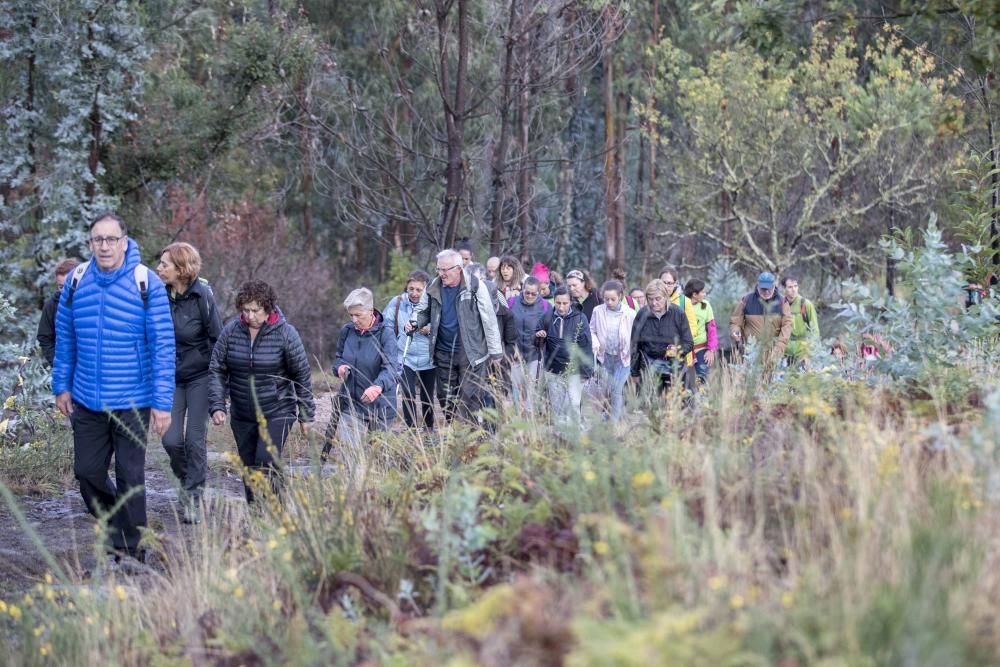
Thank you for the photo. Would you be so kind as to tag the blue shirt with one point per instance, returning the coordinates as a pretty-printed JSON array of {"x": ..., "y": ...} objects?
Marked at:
[{"x": 447, "y": 338}]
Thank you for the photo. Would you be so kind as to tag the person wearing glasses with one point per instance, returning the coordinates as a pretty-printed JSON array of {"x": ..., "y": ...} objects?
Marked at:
[
  {"x": 464, "y": 336},
  {"x": 196, "y": 328},
  {"x": 671, "y": 279},
  {"x": 113, "y": 375},
  {"x": 260, "y": 358}
]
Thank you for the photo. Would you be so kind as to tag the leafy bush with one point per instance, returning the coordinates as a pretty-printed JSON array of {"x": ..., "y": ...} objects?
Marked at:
[{"x": 931, "y": 333}]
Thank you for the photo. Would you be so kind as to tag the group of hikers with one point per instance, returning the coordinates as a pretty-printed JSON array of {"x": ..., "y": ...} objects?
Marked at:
[{"x": 133, "y": 349}]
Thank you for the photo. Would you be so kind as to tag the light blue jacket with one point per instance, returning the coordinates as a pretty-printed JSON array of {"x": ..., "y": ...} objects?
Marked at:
[
  {"x": 418, "y": 357},
  {"x": 111, "y": 352}
]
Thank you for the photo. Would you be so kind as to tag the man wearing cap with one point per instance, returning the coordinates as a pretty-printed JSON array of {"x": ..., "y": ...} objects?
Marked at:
[{"x": 763, "y": 314}]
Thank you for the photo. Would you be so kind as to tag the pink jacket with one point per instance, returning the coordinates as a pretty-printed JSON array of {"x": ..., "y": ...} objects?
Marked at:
[{"x": 599, "y": 332}]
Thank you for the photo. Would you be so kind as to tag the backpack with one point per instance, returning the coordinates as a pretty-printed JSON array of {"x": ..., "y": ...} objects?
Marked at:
[
  {"x": 140, "y": 274},
  {"x": 203, "y": 305}
]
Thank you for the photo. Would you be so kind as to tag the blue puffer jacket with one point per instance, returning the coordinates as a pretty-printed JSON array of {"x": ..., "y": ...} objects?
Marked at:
[
  {"x": 418, "y": 357},
  {"x": 111, "y": 353}
]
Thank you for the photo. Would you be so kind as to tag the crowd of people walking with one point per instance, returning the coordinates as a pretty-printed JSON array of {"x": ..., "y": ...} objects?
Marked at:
[{"x": 133, "y": 349}]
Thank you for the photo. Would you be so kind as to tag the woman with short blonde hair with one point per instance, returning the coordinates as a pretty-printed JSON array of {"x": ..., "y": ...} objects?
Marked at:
[{"x": 196, "y": 328}]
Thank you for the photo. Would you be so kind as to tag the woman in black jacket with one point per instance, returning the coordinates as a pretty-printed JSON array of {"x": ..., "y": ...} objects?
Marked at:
[
  {"x": 567, "y": 355},
  {"x": 196, "y": 328},
  {"x": 259, "y": 357},
  {"x": 661, "y": 338},
  {"x": 368, "y": 363}
]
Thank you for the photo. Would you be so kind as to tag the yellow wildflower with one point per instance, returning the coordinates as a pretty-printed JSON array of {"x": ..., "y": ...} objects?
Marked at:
[
  {"x": 641, "y": 480},
  {"x": 14, "y": 612},
  {"x": 787, "y": 600},
  {"x": 716, "y": 582},
  {"x": 272, "y": 544},
  {"x": 3, "y": 607},
  {"x": 9, "y": 403},
  {"x": 48, "y": 578},
  {"x": 238, "y": 593},
  {"x": 589, "y": 476},
  {"x": 601, "y": 548},
  {"x": 45, "y": 649},
  {"x": 737, "y": 601},
  {"x": 121, "y": 593}
]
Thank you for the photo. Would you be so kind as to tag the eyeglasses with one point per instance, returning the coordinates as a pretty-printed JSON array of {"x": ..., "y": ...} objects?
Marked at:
[
  {"x": 443, "y": 271},
  {"x": 98, "y": 241}
]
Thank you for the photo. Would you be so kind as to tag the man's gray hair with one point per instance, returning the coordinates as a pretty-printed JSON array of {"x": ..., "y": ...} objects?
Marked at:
[
  {"x": 361, "y": 297},
  {"x": 450, "y": 254}
]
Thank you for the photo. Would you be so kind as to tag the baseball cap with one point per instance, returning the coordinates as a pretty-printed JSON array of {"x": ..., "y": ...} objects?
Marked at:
[{"x": 765, "y": 280}]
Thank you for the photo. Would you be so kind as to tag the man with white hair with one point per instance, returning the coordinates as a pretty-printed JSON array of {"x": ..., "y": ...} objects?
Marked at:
[{"x": 464, "y": 335}]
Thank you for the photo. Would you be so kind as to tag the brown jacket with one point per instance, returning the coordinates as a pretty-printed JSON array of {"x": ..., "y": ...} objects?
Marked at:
[{"x": 765, "y": 320}]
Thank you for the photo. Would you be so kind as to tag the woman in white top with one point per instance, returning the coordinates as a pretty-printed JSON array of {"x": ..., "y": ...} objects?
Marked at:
[{"x": 611, "y": 332}]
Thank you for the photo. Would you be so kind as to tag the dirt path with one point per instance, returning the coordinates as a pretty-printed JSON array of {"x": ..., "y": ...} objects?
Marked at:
[{"x": 67, "y": 529}]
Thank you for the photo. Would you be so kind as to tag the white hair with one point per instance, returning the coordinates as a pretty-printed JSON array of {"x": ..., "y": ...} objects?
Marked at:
[
  {"x": 451, "y": 254},
  {"x": 361, "y": 297}
]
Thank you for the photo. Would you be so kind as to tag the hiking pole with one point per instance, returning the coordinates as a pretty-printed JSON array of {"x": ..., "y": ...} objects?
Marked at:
[
  {"x": 540, "y": 344},
  {"x": 409, "y": 339}
]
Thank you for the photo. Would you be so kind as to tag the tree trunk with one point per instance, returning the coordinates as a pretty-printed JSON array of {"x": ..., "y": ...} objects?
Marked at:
[
  {"x": 499, "y": 162},
  {"x": 524, "y": 169},
  {"x": 994, "y": 185},
  {"x": 610, "y": 181},
  {"x": 454, "y": 110},
  {"x": 620, "y": 251},
  {"x": 94, "y": 159}
]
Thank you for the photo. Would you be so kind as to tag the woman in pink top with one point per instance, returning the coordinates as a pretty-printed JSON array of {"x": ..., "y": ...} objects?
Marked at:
[{"x": 611, "y": 335}]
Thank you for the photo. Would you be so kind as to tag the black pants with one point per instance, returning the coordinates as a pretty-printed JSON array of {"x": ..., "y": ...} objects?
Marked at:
[
  {"x": 186, "y": 440},
  {"x": 462, "y": 389},
  {"x": 96, "y": 436},
  {"x": 261, "y": 452},
  {"x": 418, "y": 401}
]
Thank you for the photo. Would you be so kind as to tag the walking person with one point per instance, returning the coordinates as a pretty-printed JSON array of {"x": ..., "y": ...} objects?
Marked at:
[
  {"x": 114, "y": 375},
  {"x": 805, "y": 325},
  {"x": 611, "y": 332},
  {"x": 671, "y": 279},
  {"x": 765, "y": 316},
  {"x": 46, "y": 335},
  {"x": 418, "y": 367},
  {"x": 196, "y": 328},
  {"x": 568, "y": 356},
  {"x": 368, "y": 363},
  {"x": 510, "y": 277},
  {"x": 260, "y": 359},
  {"x": 583, "y": 292},
  {"x": 527, "y": 309},
  {"x": 706, "y": 340},
  {"x": 661, "y": 338},
  {"x": 464, "y": 336}
]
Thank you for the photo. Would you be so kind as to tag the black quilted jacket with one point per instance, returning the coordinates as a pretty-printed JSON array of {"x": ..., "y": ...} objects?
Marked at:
[{"x": 273, "y": 374}]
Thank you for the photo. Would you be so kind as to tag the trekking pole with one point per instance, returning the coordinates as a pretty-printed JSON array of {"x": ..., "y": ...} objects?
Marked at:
[
  {"x": 409, "y": 339},
  {"x": 540, "y": 344}
]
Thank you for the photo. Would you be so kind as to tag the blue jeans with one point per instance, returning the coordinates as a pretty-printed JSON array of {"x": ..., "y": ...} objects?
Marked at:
[
  {"x": 700, "y": 366},
  {"x": 614, "y": 375}
]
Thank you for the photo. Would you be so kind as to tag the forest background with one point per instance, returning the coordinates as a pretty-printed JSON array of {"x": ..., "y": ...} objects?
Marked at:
[{"x": 323, "y": 145}]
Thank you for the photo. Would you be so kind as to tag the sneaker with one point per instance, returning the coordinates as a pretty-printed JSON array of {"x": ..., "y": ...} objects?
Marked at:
[{"x": 191, "y": 515}]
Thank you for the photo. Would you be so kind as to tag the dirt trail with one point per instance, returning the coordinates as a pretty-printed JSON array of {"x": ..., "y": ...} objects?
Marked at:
[{"x": 67, "y": 529}]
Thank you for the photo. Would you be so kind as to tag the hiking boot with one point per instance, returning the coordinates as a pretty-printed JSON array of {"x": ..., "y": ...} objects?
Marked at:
[{"x": 191, "y": 515}]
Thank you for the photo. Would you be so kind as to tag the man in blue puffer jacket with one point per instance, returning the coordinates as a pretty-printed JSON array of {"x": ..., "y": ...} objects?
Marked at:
[{"x": 114, "y": 374}]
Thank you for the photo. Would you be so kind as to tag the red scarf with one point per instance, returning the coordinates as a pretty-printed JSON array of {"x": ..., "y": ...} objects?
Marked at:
[{"x": 376, "y": 318}]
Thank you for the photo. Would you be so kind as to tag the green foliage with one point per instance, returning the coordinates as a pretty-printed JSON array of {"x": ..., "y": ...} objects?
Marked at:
[
  {"x": 806, "y": 150},
  {"x": 932, "y": 331},
  {"x": 974, "y": 212}
]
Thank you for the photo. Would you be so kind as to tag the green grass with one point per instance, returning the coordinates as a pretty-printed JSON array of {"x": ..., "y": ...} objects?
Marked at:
[{"x": 821, "y": 523}]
